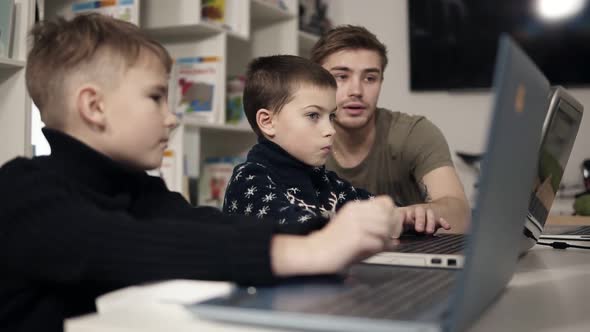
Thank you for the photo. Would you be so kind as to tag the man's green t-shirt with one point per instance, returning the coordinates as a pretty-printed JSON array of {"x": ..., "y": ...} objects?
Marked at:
[{"x": 406, "y": 148}]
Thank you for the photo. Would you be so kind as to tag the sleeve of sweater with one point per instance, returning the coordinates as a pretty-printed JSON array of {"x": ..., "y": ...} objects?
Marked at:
[
  {"x": 253, "y": 192},
  {"x": 50, "y": 234}
]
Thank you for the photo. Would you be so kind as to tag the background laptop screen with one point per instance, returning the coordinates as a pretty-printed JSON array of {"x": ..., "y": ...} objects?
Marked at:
[{"x": 555, "y": 150}]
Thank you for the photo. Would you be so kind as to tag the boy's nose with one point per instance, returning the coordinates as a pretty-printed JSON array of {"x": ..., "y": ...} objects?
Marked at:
[
  {"x": 170, "y": 120},
  {"x": 329, "y": 129}
]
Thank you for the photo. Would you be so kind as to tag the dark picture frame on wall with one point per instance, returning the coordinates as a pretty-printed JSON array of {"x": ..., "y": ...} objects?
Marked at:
[{"x": 452, "y": 43}]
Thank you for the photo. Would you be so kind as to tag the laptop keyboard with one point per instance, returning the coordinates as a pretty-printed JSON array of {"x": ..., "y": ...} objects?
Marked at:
[
  {"x": 584, "y": 230},
  {"x": 438, "y": 244},
  {"x": 406, "y": 294}
]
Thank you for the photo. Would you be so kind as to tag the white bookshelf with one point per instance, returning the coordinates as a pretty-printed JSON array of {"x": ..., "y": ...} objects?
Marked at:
[
  {"x": 254, "y": 28},
  {"x": 306, "y": 42},
  {"x": 265, "y": 12},
  {"x": 14, "y": 100},
  {"x": 9, "y": 64}
]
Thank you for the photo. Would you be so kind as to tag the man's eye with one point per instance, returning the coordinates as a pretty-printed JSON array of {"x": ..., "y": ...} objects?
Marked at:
[
  {"x": 156, "y": 98},
  {"x": 340, "y": 77}
]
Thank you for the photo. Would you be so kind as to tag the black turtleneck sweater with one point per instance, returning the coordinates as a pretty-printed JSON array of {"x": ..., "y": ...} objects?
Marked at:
[
  {"x": 76, "y": 224},
  {"x": 297, "y": 197}
]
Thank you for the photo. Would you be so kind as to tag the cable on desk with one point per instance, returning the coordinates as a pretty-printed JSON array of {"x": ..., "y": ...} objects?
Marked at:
[{"x": 561, "y": 245}]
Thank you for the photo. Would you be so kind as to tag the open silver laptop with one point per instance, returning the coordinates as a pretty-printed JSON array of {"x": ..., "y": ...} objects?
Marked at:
[
  {"x": 382, "y": 298},
  {"x": 560, "y": 129}
]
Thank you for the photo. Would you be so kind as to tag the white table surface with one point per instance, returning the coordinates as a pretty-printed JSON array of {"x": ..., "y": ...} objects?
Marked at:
[{"x": 549, "y": 292}]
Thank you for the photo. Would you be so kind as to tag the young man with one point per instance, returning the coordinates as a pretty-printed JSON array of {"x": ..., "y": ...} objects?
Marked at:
[
  {"x": 88, "y": 219},
  {"x": 290, "y": 103},
  {"x": 386, "y": 152}
]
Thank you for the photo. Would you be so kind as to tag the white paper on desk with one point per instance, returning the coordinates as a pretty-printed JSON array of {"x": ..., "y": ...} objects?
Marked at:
[{"x": 152, "y": 301}]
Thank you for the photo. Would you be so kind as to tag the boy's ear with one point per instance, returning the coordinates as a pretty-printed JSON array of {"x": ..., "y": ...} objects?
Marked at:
[
  {"x": 90, "y": 105},
  {"x": 265, "y": 123}
]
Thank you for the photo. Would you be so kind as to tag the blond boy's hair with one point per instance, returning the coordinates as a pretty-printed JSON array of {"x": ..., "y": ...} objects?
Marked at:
[{"x": 93, "y": 47}]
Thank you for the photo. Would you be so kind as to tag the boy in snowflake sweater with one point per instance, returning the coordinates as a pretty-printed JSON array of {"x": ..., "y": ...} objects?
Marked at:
[{"x": 290, "y": 103}]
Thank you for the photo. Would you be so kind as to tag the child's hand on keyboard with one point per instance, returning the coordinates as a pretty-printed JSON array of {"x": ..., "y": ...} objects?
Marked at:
[{"x": 357, "y": 231}]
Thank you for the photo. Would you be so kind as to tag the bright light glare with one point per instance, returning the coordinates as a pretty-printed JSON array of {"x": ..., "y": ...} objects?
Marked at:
[{"x": 554, "y": 10}]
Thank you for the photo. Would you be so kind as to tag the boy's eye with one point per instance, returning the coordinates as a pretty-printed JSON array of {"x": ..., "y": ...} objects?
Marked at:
[
  {"x": 156, "y": 98},
  {"x": 340, "y": 77},
  {"x": 313, "y": 116}
]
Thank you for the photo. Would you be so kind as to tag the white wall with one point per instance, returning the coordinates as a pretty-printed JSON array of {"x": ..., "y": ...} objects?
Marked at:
[{"x": 462, "y": 116}]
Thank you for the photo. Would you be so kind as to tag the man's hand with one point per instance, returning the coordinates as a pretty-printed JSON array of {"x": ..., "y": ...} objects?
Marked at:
[
  {"x": 443, "y": 193},
  {"x": 357, "y": 231},
  {"x": 422, "y": 219}
]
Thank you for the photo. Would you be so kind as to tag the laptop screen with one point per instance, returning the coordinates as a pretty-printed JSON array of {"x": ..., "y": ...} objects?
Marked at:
[{"x": 556, "y": 146}]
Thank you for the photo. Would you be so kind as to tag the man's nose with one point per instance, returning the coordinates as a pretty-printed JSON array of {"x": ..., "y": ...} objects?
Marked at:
[{"x": 355, "y": 88}]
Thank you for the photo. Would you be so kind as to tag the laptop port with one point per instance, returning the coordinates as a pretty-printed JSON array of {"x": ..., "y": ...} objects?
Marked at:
[
  {"x": 452, "y": 262},
  {"x": 435, "y": 260}
]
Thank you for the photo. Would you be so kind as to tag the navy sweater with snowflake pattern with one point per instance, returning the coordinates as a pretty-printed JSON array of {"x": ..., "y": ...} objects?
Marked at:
[{"x": 298, "y": 197}]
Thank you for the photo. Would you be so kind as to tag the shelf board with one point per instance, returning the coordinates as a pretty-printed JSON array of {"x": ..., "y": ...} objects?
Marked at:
[
  {"x": 307, "y": 40},
  {"x": 7, "y": 63},
  {"x": 236, "y": 35},
  {"x": 263, "y": 12},
  {"x": 200, "y": 30},
  {"x": 195, "y": 123}
]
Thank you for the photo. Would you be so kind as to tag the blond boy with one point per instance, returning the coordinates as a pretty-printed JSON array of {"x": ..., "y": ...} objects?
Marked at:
[{"x": 87, "y": 219}]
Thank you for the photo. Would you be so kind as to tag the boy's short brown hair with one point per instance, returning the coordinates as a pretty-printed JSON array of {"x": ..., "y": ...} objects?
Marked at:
[
  {"x": 92, "y": 45},
  {"x": 348, "y": 37},
  {"x": 271, "y": 83}
]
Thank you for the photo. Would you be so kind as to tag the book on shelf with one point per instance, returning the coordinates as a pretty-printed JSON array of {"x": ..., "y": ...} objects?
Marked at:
[
  {"x": 168, "y": 169},
  {"x": 220, "y": 12},
  {"x": 213, "y": 11},
  {"x": 196, "y": 79},
  {"x": 125, "y": 10},
  {"x": 6, "y": 27},
  {"x": 234, "y": 113},
  {"x": 215, "y": 177}
]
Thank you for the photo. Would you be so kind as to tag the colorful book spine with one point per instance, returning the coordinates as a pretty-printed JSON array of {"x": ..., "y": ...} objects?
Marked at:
[
  {"x": 213, "y": 10},
  {"x": 125, "y": 10},
  {"x": 234, "y": 113},
  {"x": 214, "y": 179}
]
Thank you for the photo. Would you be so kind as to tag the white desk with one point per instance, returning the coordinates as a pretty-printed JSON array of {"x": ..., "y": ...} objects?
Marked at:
[{"x": 549, "y": 292}]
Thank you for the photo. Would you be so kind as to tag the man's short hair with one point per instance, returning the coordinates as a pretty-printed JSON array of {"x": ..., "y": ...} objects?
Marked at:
[
  {"x": 90, "y": 45},
  {"x": 271, "y": 83},
  {"x": 348, "y": 37}
]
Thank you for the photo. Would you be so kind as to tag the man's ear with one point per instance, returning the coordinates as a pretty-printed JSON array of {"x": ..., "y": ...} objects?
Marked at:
[
  {"x": 90, "y": 105},
  {"x": 264, "y": 121}
]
